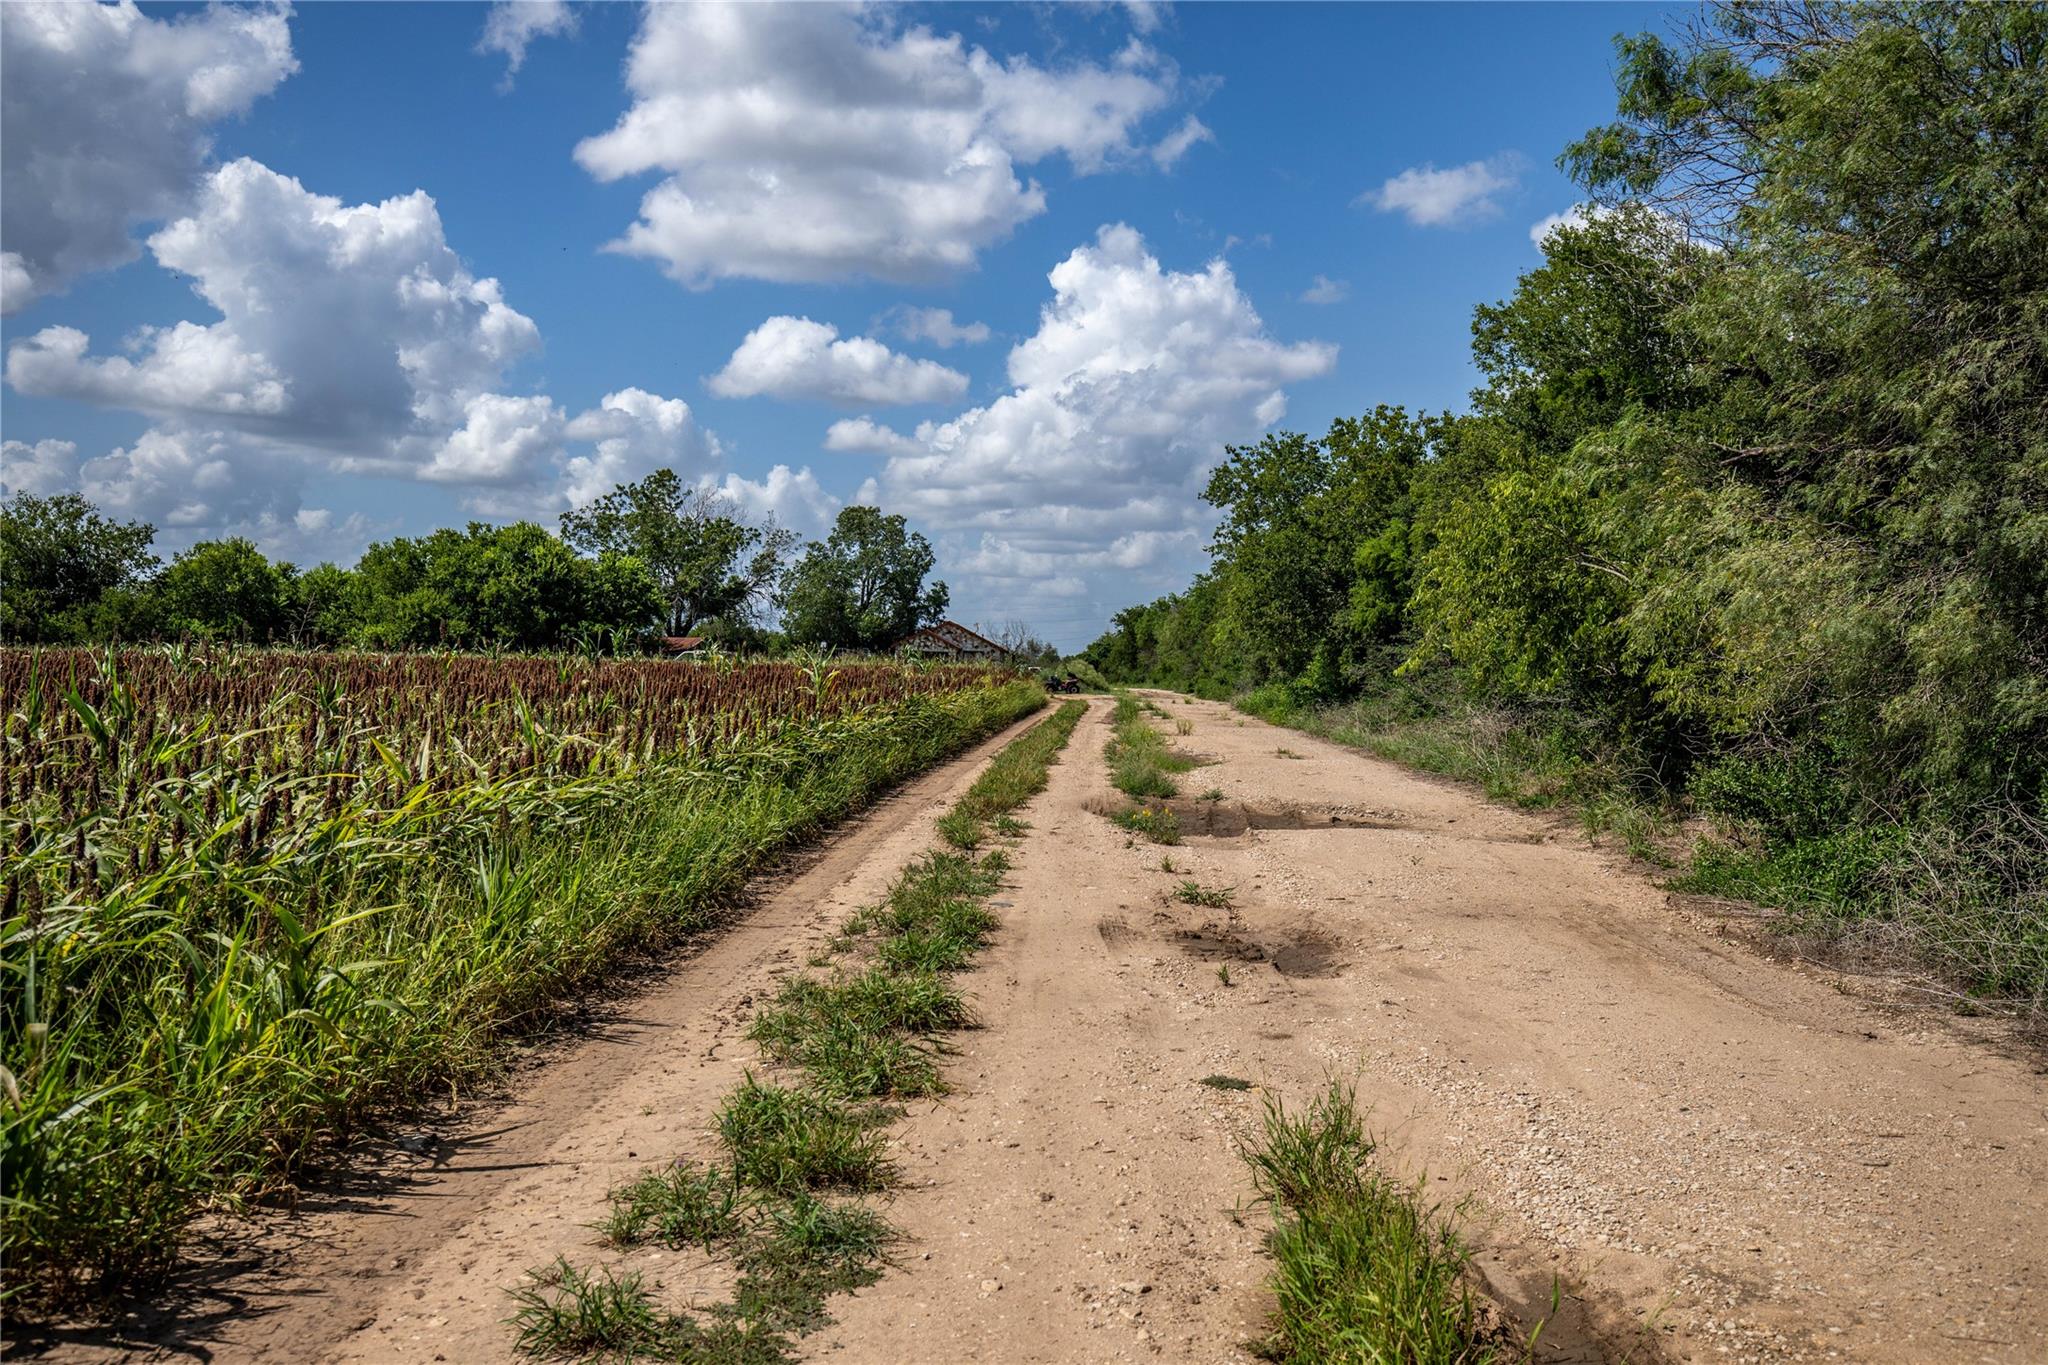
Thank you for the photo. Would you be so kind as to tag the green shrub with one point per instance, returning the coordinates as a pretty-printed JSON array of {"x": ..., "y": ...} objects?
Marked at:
[{"x": 1798, "y": 795}]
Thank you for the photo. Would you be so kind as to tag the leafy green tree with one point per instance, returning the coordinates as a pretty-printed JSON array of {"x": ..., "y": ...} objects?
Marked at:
[
  {"x": 1171, "y": 642},
  {"x": 617, "y": 597},
  {"x": 1536, "y": 522},
  {"x": 397, "y": 608},
  {"x": 498, "y": 587},
  {"x": 863, "y": 586},
  {"x": 1753, "y": 497},
  {"x": 1594, "y": 332},
  {"x": 1876, "y": 344},
  {"x": 707, "y": 563},
  {"x": 58, "y": 558},
  {"x": 1296, "y": 514},
  {"x": 326, "y": 607},
  {"x": 226, "y": 590}
]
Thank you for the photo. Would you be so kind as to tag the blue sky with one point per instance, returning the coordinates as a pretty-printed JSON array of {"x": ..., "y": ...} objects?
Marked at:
[{"x": 376, "y": 263}]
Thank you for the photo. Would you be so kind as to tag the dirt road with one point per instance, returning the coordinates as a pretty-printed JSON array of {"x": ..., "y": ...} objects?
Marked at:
[
  {"x": 1713, "y": 1156},
  {"x": 1719, "y": 1157}
]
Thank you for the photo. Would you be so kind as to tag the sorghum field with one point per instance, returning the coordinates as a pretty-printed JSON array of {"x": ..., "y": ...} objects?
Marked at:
[{"x": 251, "y": 896}]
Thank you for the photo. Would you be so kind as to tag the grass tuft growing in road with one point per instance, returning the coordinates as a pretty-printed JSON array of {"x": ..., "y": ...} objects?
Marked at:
[
  {"x": 566, "y": 1312},
  {"x": 1141, "y": 763},
  {"x": 1157, "y": 823},
  {"x": 1365, "y": 1270},
  {"x": 782, "y": 1139},
  {"x": 686, "y": 1205}
]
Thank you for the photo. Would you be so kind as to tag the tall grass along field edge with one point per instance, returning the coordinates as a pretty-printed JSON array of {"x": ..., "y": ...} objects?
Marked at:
[{"x": 245, "y": 906}]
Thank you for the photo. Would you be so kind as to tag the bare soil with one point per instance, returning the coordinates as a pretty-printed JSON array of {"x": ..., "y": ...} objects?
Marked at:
[{"x": 1709, "y": 1155}]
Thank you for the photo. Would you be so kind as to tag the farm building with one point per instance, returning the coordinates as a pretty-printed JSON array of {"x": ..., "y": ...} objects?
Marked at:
[
  {"x": 951, "y": 640},
  {"x": 682, "y": 646}
]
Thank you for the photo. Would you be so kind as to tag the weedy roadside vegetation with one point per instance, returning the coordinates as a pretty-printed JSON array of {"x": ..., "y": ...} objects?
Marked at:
[
  {"x": 1140, "y": 762},
  {"x": 783, "y": 1205},
  {"x": 784, "y": 1140},
  {"x": 251, "y": 897},
  {"x": 1366, "y": 1269},
  {"x": 685, "y": 1205},
  {"x": 1157, "y": 823},
  {"x": 1214, "y": 897},
  {"x": 566, "y": 1312},
  {"x": 1141, "y": 765}
]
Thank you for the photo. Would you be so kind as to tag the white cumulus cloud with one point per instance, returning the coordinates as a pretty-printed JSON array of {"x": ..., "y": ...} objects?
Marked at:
[
  {"x": 352, "y": 339},
  {"x": 790, "y": 357},
  {"x": 504, "y": 439},
  {"x": 865, "y": 436},
  {"x": 1429, "y": 197},
  {"x": 193, "y": 484},
  {"x": 349, "y": 333},
  {"x": 632, "y": 433},
  {"x": 793, "y": 498},
  {"x": 815, "y": 142},
  {"x": 1146, "y": 15},
  {"x": 1087, "y": 472},
  {"x": 184, "y": 368},
  {"x": 46, "y": 467},
  {"x": 1170, "y": 149},
  {"x": 105, "y": 115},
  {"x": 512, "y": 25},
  {"x": 190, "y": 479},
  {"x": 935, "y": 325},
  {"x": 1323, "y": 289}
]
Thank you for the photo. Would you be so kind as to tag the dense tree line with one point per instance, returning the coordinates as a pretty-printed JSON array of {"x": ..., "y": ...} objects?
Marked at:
[
  {"x": 1757, "y": 477},
  {"x": 649, "y": 559}
]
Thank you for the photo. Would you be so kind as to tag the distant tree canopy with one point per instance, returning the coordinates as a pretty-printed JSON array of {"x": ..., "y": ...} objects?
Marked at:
[
  {"x": 863, "y": 586},
  {"x": 1757, "y": 475},
  {"x": 68, "y": 574},
  {"x": 705, "y": 561},
  {"x": 58, "y": 559},
  {"x": 504, "y": 587},
  {"x": 225, "y": 590}
]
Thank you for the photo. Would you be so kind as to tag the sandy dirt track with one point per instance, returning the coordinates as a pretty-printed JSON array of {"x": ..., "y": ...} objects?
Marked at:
[
  {"x": 1715, "y": 1157},
  {"x": 1718, "y": 1157}
]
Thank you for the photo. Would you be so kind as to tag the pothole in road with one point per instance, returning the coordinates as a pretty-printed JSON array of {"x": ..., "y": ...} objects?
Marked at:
[
  {"x": 1223, "y": 819},
  {"x": 1306, "y": 954}
]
